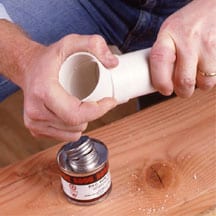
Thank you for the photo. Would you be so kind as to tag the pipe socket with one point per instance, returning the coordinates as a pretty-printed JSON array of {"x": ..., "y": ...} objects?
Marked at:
[{"x": 84, "y": 76}]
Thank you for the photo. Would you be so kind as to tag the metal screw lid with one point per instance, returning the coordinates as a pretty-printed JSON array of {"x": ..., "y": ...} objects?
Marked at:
[{"x": 83, "y": 156}]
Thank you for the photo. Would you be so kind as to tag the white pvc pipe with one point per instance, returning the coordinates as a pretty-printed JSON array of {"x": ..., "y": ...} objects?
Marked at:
[{"x": 83, "y": 76}]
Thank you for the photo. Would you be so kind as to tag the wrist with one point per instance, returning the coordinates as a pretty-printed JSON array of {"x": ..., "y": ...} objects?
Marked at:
[
  {"x": 23, "y": 61},
  {"x": 16, "y": 51}
]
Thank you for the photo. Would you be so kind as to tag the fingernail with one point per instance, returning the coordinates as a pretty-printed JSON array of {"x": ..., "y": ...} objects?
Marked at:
[{"x": 166, "y": 91}]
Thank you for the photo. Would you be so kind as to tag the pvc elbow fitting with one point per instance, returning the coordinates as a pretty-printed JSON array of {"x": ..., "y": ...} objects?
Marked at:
[{"x": 83, "y": 76}]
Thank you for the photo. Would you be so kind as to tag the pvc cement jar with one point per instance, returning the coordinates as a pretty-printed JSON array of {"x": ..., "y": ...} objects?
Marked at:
[
  {"x": 84, "y": 170},
  {"x": 83, "y": 76}
]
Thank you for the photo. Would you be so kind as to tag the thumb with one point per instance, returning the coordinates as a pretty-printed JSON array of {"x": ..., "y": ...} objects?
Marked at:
[
  {"x": 93, "y": 110},
  {"x": 70, "y": 109}
]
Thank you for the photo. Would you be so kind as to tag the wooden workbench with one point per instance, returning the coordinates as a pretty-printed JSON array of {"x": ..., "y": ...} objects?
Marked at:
[{"x": 162, "y": 161}]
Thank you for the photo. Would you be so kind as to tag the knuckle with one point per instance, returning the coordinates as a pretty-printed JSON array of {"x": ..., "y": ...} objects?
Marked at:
[
  {"x": 68, "y": 38},
  {"x": 94, "y": 39},
  {"x": 168, "y": 23},
  {"x": 30, "y": 125},
  {"x": 31, "y": 113},
  {"x": 157, "y": 54},
  {"x": 162, "y": 54},
  {"x": 39, "y": 91},
  {"x": 73, "y": 120},
  {"x": 209, "y": 43},
  {"x": 95, "y": 42},
  {"x": 210, "y": 40},
  {"x": 174, "y": 26}
]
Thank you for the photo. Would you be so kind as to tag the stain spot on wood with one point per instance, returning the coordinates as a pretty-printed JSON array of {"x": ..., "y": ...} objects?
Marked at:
[{"x": 159, "y": 175}]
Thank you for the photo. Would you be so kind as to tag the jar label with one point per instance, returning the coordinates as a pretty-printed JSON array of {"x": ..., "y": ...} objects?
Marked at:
[{"x": 87, "y": 191}]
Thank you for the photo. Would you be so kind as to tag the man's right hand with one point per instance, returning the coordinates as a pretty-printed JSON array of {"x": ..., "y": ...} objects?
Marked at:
[{"x": 48, "y": 109}]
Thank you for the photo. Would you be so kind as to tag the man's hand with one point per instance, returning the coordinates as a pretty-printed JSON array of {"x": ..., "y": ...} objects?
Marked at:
[
  {"x": 48, "y": 109},
  {"x": 184, "y": 54}
]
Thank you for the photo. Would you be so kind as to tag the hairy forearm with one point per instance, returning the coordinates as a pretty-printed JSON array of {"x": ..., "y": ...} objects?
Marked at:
[{"x": 16, "y": 49}]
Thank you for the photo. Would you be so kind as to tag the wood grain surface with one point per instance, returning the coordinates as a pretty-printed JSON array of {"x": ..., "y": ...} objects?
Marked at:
[
  {"x": 162, "y": 162},
  {"x": 16, "y": 142}
]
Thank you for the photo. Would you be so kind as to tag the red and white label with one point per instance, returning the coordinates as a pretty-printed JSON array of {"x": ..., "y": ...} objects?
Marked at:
[{"x": 87, "y": 191}]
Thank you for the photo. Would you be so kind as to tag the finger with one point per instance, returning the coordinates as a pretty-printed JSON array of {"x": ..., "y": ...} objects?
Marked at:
[
  {"x": 40, "y": 125},
  {"x": 206, "y": 72},
  {"x": 58, "y": 135},
  {"x": 162, "y": 62},
  {"x": 185, "y": 71},
  {"x": 37, "y": 111},
  {"x": 76, "y": 128},
  {"x": 71, "y": 110},
  {"x": 60, "y": 124},
  {"x": 94, "y": 44},
  {"x": 42, "y": 129},
  {"x": 94, "y": 110},
  {"x": 98, "y": 47},
  {"x": 205, "y": 82}
]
